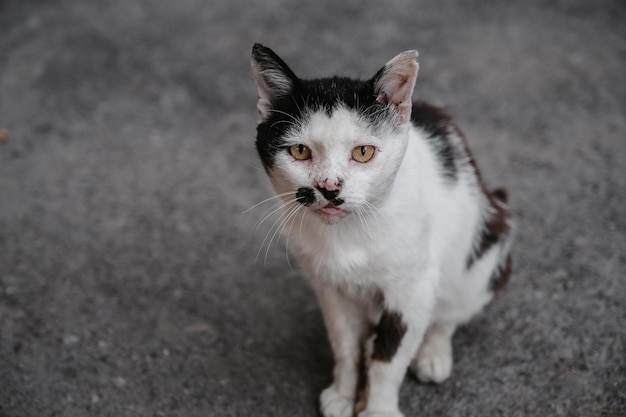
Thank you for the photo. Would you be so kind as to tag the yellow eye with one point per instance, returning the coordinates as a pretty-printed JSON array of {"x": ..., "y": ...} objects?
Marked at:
[
  {"x": 300, "y": 152},
  {"x": 363, "y": 153}
]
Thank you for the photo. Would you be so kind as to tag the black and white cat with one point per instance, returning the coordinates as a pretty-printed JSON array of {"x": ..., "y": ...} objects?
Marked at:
[{"x": 388, "y": 217}]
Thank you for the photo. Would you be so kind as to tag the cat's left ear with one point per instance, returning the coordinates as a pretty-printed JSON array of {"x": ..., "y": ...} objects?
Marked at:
[
  {"x": 393, "y": 84},
  {"x": 274, "y": 79}
]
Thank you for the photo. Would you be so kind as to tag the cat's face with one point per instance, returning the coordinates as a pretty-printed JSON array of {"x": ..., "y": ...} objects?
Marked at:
[{"x": 332, "y": 145}]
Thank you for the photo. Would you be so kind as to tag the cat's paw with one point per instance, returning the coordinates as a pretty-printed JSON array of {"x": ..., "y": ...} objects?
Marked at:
[
  {"x": 333, "y": 404},
  {"x": 432, "y": 366},
  {"x": 366, "y": 413}
]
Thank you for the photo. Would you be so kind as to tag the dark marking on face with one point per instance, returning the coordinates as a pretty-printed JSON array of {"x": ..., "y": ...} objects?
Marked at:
[
  {"x": 331, "y": 196},
  {"x": 389, "y": 333},
  {"x": 305, "y": 196},
  {"x": 290, "y": 110}
]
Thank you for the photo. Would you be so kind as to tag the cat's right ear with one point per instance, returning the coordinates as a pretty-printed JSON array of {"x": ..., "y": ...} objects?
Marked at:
[
  {"x": 273, "y": 79},
  {"x": 394, "y": 83}
]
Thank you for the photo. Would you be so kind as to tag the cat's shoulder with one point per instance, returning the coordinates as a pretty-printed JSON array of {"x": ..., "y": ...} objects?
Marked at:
[
  {"x": 446, "y": 140},
  {"x": 431, "y": 118}
]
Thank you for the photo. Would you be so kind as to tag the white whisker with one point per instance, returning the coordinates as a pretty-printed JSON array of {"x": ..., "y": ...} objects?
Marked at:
[
  {"x": 272, "y": 227},
  {"x": 273, "y": 210},
  {"x": 266, "y": 200},
  {"x": 291, "y": 219},
  {"x": 295, "y": 121},
  {"x": 284, "y": 218}
]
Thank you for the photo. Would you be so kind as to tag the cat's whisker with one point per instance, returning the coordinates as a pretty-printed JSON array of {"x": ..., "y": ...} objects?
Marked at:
[
  {"x": 296, "y": 122},
  {"x": 302, "y": 221},
  {"x": 272, "y": 227},
  {"x": 374, "y": 213},
  {"x": 291, "y": 219},
  {"x": 276, "y": 208},
  {"x": 298, "y": 105},
  {"x": 361, "y": 212},
  {"x": 289, "y": 212},
  {"x": 284, "y": 218},
  {"x": 368, "y": 211},
  {"x": 364, "y": 224},
  {"x": 273, "y": 210},
  {"x": 289, "y": 122},
  {"x": 274, "y": 197}
]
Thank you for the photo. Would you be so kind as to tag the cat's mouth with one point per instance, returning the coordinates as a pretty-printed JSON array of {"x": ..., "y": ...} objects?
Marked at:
[
  {"x": 331, "y": 214},
  {"x": 331, "y": 209}
]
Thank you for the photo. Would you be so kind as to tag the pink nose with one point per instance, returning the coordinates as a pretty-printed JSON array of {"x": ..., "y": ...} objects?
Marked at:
[{"x": 329, "y": 185}]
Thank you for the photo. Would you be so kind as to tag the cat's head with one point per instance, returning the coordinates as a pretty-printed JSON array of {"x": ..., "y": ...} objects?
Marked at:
[{"x": 335, "y": 144}]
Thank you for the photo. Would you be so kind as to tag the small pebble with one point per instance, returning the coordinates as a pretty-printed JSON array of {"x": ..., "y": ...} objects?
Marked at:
[
  {"x": 70, "y": 339},
  {"x": 119, "y": 382}
]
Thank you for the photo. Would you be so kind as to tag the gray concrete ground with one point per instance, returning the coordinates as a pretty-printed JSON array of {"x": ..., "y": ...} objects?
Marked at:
[{"x": 128, "y": 281}]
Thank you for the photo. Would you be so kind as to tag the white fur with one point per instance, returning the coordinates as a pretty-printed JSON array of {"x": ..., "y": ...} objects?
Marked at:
[
  {"x": 401, "y": 244},
  {"x": 407, "y": 237}
]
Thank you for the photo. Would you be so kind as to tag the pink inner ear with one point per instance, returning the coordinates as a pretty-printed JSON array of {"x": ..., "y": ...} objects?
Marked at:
[
  {"x": 396, "y": 84},
  {"x": 396, "y": 90}
]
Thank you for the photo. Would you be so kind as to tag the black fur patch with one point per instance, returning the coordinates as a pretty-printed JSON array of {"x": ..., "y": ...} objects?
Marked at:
[
  {"x": 501, "y": 275},
  {"x": 495, "y": 229},
  {"x": 305, "y": 196},
  {"x": 389, "y": 333},
  {"x": 439, "y": 127},
  {"x": 331, "y": 195},
  {"x": 451, "y": 155},
  {"x": 308, "y": 96}
]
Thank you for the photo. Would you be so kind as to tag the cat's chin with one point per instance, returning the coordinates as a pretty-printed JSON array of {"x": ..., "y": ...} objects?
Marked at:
[{"x": 331, "y": 214}]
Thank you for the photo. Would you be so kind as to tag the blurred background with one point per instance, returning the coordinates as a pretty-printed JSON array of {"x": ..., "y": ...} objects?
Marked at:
[{"x": 128, "y": 279}]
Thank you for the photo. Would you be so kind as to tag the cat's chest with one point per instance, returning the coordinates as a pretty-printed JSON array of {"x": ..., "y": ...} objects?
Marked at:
[{"x": 347, "y": 257}]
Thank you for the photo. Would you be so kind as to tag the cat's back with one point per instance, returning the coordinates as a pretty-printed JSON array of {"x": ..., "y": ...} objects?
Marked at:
[{"x": 445, "y": 140}]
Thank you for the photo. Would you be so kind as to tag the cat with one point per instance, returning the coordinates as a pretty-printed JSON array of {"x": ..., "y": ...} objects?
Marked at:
[{"x": 388, "y": 218}]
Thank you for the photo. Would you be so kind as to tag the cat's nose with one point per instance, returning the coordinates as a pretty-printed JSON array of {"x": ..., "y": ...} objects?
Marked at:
[
  {"x": 330, "y": 189},
  {"x": 329, "y": 184}
]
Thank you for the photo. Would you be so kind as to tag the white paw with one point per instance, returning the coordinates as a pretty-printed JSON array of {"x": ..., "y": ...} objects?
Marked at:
[
  {"x": 432, "y": 367},
  {"x": 333, "y": 404},
  {"x": 395, "y": 413}
]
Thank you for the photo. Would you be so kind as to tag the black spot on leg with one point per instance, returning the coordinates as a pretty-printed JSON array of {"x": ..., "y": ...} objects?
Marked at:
[
  {"x": 389, "y": 333},
  {"x": 362, "y": 386}
]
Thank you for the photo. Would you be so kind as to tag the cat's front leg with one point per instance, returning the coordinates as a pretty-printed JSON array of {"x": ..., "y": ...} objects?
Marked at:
[
  {"x": 345, "y": 323},
  {"x": 397, "y": 337}
]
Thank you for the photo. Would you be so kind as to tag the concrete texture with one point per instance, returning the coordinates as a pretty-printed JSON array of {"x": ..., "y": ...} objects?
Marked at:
[{"x": 128, "y": 281}]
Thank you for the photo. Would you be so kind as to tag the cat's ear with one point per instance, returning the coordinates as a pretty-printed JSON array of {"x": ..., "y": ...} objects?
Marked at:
[
  {"x": 393, "y": 84},
  {"x": 273, "y": 79}
]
